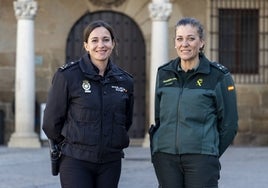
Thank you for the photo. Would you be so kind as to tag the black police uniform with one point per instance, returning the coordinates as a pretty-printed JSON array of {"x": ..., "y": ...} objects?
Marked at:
[{"x": 89, "y": 113}]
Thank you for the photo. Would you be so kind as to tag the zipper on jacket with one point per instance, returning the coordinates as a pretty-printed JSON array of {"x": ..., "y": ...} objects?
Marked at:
[
  {"x": 177, "y": 127},
  {"x": 183, "y": 84},
  {"x": 100, "y": 153}
]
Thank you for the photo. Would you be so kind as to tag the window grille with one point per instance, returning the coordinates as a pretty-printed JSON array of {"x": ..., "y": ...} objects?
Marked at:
[{"x": 239, "y": 38}]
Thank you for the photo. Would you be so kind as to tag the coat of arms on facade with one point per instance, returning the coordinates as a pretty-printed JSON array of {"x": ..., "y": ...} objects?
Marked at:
[{"x": 107, "y": 3}]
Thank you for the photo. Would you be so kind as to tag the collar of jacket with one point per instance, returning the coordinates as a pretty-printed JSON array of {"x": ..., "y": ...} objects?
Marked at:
[
  {"x": 88, "y": 68},
  {"x": 204, "y": 65}
]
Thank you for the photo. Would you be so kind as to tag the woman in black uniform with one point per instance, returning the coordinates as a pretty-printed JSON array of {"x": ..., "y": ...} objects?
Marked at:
[{"x": 89, "y": 111}]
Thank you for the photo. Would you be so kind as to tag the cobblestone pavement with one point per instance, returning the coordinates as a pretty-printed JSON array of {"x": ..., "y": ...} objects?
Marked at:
[{"x": 242, "y": 167}]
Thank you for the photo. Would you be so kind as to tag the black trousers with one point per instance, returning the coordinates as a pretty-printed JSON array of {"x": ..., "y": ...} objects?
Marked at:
[
  {"x": 82, "y": 174},
  {"x": 186, "y": 171}
]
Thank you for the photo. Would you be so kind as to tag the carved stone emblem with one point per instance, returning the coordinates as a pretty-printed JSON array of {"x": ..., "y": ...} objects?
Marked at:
[{"x": 107, "y": 3}]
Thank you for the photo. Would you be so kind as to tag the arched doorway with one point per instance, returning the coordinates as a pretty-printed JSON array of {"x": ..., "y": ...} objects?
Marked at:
[{"x": 131, "y": 56}]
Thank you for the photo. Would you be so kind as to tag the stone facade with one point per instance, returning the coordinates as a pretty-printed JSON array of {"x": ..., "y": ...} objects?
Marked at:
[
  {"x": 253, "y": 115},
  {"x": 53, "y": 22}
]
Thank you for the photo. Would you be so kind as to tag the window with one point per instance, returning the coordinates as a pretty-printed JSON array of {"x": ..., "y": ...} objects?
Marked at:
[{"x": 239, "y": 38}]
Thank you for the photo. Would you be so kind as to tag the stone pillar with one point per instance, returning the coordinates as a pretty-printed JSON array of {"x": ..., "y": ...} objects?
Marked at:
[
  {"x": 160, "y": 11},
  {"x": 24, "y": 135}
]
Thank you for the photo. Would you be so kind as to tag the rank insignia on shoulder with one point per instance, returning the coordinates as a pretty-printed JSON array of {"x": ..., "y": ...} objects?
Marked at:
[
  {"x": 220, "y": 67},
  {"x": 67, "y": 65}
]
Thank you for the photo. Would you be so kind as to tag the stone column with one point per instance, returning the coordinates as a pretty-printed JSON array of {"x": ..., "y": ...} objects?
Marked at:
[
  {"x": 160, "y": 11},
  {"x": 24, "y": 135}
]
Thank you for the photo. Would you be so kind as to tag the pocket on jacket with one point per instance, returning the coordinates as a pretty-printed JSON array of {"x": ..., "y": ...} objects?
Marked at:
[
  {"x": 83, "y": 127},
  {"x": 120, "y": 138},
  {"x": 81, "y": 133}
]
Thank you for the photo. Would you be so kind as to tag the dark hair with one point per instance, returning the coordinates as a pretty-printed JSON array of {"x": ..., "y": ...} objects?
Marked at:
[
  {"x": 100, "y": 23},
  {"x": 195, "y": 23}
]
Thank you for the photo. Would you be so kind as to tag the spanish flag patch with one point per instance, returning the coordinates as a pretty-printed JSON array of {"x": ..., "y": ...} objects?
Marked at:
[{"x": 230, "y": 88}]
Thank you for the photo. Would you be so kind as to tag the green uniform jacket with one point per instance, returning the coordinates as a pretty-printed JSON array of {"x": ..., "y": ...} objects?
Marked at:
[{"x": 197, "y": 116}]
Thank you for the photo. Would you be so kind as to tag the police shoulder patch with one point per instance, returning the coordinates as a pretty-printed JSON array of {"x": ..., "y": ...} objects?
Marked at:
[
  {"x": 67, "y": 65},
  {"x": 220, "y": 67}
]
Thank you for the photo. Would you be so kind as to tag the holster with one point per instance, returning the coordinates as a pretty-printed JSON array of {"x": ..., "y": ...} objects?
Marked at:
[
  {"x": 55, "y": 155},
  {"x": 153, "y": 128}
]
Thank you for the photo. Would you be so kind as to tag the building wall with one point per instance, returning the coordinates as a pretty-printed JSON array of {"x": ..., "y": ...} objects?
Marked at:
[
  {"x": 53, "y": 22},
  {"x": 253, "y": 115},
  {"x": 7, "y": 65}
]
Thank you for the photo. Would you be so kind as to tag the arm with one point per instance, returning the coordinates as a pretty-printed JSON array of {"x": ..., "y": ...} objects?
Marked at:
[
  {"x": 56, "y": 108},
  {"x": 227, "y": 112},
  {"x": 157, "y": 104},
  {"x": 130, "y": 106}
]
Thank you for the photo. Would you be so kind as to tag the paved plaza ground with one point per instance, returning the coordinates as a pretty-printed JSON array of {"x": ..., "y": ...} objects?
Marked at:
[{"x": 242, "y": 167}]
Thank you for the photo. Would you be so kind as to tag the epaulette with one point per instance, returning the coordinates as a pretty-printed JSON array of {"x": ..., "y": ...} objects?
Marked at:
[
  {"x": 220, "y": 67},
  {"x": 68, "y": 65},
  {"x": 126, "y": 72},
  {"x": 166, "y": 64}
]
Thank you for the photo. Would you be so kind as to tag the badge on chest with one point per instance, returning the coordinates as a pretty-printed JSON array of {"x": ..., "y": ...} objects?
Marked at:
[{"x": 86, "y": 86}]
